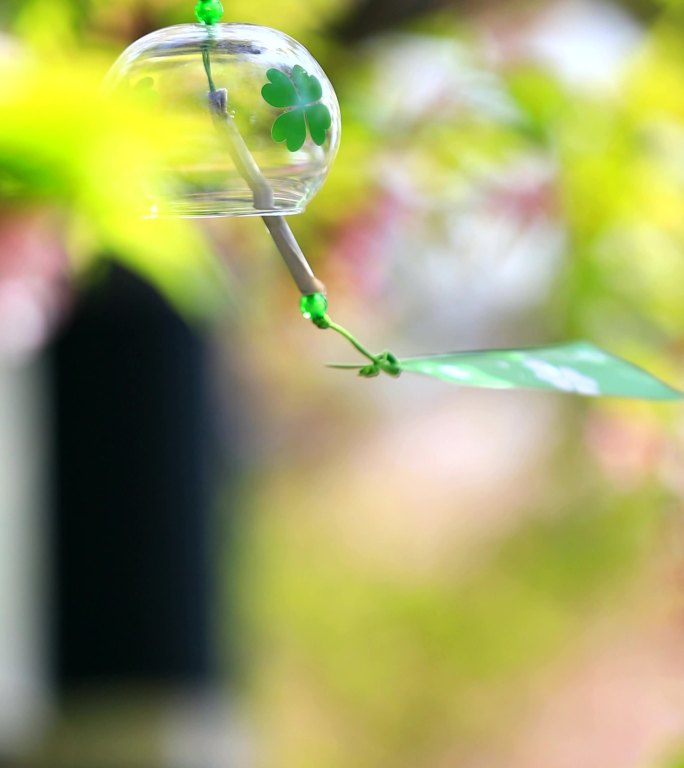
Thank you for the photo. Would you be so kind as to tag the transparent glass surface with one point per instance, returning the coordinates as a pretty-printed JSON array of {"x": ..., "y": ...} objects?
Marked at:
[{"x": 228, "y": 162}]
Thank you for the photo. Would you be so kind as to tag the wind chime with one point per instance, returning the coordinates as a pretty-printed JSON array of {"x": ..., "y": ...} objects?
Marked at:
[{"x": 269, "y": 131}]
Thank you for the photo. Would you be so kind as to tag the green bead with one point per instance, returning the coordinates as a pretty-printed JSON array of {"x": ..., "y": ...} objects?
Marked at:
[
  {"x": 208, "y": 11},
  {"x": 314, "y": 306}
]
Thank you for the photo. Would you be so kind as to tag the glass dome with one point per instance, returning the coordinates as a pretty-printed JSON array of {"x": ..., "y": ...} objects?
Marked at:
[{"x": 264, "y": 122}]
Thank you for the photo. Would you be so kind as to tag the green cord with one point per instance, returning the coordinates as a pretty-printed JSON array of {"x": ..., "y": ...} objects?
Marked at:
[
  {"x": 314, "y": 307},
  {"x": 207, "y": 67},
  {"x": 385, "y": 361},
  {"x": 352, "y": 340}
]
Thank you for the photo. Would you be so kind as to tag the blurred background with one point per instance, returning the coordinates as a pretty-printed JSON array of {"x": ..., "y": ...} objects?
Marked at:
[{"x": 214, "y": 551}]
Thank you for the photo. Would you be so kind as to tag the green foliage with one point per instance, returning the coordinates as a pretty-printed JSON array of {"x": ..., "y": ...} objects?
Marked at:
[
  {"x": 405, "y": 666},
  {"x": 64, "y": 145},
  {"x": 619, "y": 193}
]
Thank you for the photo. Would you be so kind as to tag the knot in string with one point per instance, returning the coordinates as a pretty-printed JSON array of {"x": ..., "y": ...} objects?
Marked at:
[
  {"x": 314, "y": 307},
  {"x": 208, "y": 11}
]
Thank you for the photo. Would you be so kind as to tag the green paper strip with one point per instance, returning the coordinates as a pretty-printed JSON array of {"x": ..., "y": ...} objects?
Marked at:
[{"x": 577, "y": 367}]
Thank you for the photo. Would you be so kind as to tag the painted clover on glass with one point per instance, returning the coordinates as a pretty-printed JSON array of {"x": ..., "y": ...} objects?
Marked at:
[{"x": 301, "y": 94}]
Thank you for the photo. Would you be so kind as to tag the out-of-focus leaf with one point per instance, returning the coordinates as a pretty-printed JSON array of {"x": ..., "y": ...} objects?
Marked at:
[
  {"x": 66, "y": 145},
  {"x": 578, "y": 367}
]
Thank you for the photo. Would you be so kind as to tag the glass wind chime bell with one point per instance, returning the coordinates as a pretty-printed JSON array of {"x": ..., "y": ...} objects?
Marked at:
[
  {"x": 268, "y": 130},
  {"x": 276, "y": 126}
]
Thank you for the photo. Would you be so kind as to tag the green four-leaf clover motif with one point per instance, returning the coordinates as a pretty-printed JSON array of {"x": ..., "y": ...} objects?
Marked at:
[{"x": 300, "y": 93}]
